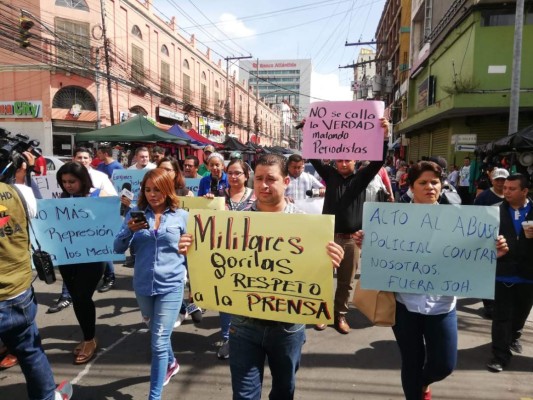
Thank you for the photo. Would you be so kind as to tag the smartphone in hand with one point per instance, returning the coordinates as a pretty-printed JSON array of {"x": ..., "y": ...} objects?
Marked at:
[{"x": 139, "y": 216}]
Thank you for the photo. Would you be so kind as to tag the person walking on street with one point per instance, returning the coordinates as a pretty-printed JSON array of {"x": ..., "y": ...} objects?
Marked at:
[
  {"x": 154, "y": 228},
  {"x": 463, "y": 187},
  {"x": 81, "y": 279},
  {"x": 253, "y": 339},
  {"x": 18, "y": 306},
  {"x": 513, "y": 295},
  {"x": 426, "y": 324},
  {"x": 344, "y": 198}
]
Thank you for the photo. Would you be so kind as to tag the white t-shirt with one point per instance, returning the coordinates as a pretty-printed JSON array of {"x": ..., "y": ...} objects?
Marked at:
[
  {"x": 101, "y": 181},
  {"x": 31, "y": 203},
  {"x": 148, "y": 166}
]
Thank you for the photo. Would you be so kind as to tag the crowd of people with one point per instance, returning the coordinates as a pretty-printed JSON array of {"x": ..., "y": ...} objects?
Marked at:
[{"x": 155, "y": 233}]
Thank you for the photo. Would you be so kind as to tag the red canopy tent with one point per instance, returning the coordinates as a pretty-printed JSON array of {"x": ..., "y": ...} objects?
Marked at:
[{"x": 199, "y": 138}]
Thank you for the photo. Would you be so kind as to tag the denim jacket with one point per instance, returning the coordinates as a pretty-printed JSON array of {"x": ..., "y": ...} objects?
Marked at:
[{"x": 158, "y": 266}]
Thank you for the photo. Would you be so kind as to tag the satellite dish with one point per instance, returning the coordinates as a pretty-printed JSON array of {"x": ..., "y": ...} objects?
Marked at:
[{"x": 526, "y": 159}]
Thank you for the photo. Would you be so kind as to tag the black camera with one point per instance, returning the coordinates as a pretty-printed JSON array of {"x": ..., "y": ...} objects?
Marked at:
[
  {"x": 44, "y": 266},
  {"x": 11, "y": 149}
]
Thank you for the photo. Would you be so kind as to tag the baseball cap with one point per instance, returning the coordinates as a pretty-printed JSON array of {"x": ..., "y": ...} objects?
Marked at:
[
  {"x": 500, "y": 173},
  {"x": 235, "y": 155},
  {"x": 209, "y": 148}
]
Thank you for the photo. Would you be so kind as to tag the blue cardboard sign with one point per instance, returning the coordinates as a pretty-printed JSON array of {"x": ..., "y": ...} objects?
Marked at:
[
  {"x": 430, "y": 249},
  {"x": 193, "y": 184},
  {"x": 129, "y": 179},
  {"x": 78, "y": 230}
]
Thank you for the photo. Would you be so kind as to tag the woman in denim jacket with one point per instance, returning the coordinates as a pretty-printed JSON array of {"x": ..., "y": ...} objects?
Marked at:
[{"x": 159, "y": 271}]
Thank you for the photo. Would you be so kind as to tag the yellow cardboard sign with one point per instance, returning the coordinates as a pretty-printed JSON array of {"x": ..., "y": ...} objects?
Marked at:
[
  {"x": 202, "y": 203},
  {"x": 272, "y": 266}
]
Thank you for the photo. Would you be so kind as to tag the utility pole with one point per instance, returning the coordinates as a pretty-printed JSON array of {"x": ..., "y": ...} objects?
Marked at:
[
  {"x": 97, "y": 81},
  {"x": 517, "y": 63},
  {"x": 107, "y": 67},
  {"x": 227, "y": 107},
  {"x": 257, "y": 101}
]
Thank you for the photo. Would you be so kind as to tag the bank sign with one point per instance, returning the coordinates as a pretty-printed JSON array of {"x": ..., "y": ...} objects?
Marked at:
[{"x": 21, "y": 109}]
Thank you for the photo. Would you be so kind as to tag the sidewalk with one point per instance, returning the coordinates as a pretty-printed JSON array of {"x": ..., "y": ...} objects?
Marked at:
[{"x": 364, "y": 364}]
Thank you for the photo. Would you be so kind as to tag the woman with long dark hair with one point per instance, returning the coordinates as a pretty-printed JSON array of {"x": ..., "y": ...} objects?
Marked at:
[
  {"x": 154, "y": 228},
  {"x": 81, "y": 279}
]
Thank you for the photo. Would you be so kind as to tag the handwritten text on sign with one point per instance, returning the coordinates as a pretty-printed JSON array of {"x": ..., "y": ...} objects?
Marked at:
[
  {"x": 270, "y": 266},
  {"x": 344, "y": 130},
  {"x": 48, "y": 186},
  {"x": 447, "y": 250},
  {"x": 193, "y": 184},
  {"x": 129, "y": 179},
  {"x": 78, "y": 230}
]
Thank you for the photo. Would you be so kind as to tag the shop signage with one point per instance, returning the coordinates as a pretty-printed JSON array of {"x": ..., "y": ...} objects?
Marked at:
[
  {"x": 171, "y": 114},
  {"x": 469, "y": 138},
  {"x": 21, "y": 109}
]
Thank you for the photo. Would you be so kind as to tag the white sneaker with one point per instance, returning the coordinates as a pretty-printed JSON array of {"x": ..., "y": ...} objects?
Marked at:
[
  {"x": 181, "y": 318},
  {"x": 63, "y": 391}
]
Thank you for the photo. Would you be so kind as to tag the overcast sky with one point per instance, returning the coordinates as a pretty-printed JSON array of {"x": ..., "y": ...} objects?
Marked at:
[{"x": 283, "y": 29}]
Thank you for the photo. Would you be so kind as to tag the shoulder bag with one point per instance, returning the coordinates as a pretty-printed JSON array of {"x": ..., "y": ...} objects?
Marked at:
[{"x": 376, "y": 305}]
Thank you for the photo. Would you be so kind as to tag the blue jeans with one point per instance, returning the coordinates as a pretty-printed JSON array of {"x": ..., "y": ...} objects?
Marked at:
[
  {"x": 253, "y": 340},
  {"x": 160, "y": 312},
  {"x": 19, "y": 333},
  {"x": 109, "y": 271},
  {"x": 225, "y": 323},
  {"x": 428, "y": 346}
]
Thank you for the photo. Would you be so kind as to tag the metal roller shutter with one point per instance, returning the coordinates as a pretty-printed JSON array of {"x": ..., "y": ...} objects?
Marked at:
[
  {"x": 413, "y": 148},
  {"x": 440, "y": 143},
  {"x": 488, "y": 129},
  {"x": 423, "y": 146}
]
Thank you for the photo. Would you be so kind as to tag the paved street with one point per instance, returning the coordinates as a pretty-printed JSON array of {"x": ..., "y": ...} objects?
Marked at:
[{"x": 362, "y": 365}]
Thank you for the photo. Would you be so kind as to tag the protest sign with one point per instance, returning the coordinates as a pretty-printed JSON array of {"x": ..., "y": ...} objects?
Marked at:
[
  {"x": 129, "y": 179},
  {"x": 78, "y": 230},
  {"x": 202, "y": 203},
  {"x": 193, "y": 184},
  {"x": 48, "y": 186},
  {"x": 430, "y": 249},
  {"x": 344, "y": 130},
  {"x": 311, "y": 205},
  {"x": 271, "y": 266}
]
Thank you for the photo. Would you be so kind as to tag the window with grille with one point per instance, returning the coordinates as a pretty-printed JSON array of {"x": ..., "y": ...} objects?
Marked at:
[
  {"x": 203, "y": 89},
  {"x": 137, "y": 64},
  {"x": 77, "y": 4},
  {"x": 186, "y": 88},
  {"x": 165, "y": 78},
  {"x": 73, "y": 43},
  {"x": 217, "y": 104}
]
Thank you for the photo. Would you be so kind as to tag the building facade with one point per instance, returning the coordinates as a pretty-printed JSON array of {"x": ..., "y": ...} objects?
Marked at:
[
  {"x": 458, "y": 93},
  {"x": 282, "y": 83},
  {"x": 83, "y": 72}
]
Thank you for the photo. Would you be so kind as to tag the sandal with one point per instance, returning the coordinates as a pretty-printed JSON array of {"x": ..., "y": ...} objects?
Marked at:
[{"x": 88, "y": 348}]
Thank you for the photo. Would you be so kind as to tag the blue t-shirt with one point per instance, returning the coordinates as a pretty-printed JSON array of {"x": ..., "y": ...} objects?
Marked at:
[{"x": 109, "y": 168}]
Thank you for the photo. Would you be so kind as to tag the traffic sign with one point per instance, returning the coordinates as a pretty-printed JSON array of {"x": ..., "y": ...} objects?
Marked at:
[
  {"x": 470, "y": 148},
  {"x": 470, "y": 138}
]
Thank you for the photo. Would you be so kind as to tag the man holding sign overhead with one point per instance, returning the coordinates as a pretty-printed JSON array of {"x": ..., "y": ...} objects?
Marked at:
[
  {"x": 344, "y": 198},
  {"x": 253, "y": 339}
]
